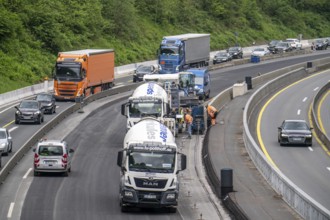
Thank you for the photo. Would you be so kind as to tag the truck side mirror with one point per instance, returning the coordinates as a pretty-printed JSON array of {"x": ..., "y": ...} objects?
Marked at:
[
  {"x": 120, "y": 158},
  {"x": 124, "y": 109}
]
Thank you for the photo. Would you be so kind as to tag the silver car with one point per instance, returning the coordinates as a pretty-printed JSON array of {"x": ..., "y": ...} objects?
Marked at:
[
  {"x": 6, "y": 143},
  {"x": 52, "y": 156}
]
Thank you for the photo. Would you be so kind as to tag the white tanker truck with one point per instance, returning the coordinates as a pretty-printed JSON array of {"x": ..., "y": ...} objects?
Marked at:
[
  {"x": 148, "y": 100},
  {"x": 150, "y": 163}
]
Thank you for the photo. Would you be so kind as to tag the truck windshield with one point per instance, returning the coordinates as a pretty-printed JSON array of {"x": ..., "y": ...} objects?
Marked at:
[
  {"x": 67, "y": 73},
  {"x": 169, "y": 51},
  {"x": 145, "y": 108},
  {"x": 151, "y": 161},
  {"x": 199, "y": 80}
]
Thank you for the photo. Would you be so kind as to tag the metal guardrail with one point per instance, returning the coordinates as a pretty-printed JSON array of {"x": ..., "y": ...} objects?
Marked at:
[
  {"x": 279, "y": 78},
  {"x": 322, "y": 136},
  {"x": 302, "y": 203},
  {"x": 50, "y": 125}
]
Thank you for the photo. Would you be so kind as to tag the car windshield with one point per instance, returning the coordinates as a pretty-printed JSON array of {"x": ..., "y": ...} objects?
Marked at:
[
  {"x": 233, "y": 49},
  {"x": 282, "y": 44},
  {"x": 273, "y": 43},
  {"x": 44, "y": 97},
  {"x": 319, "y": 41},
  {"x": 146, "y": 108},
  {"x": 33, "y": 105},
  {"x": 221, "y": 55},
  {"x": 144, "y": 68},
  {"x": 295, "y": 126},
  {"x": 2, "y": 135},
  {"x": 45, "y": 150},
  {"x": 152, "y": 161}
]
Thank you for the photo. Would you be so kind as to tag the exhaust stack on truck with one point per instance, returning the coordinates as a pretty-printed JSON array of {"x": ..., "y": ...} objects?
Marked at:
[
  {"x": 83, "y": 72},
  {"x": 150, "y": 163}
]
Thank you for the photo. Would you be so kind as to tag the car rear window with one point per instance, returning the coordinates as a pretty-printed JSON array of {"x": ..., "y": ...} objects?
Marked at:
[{"x": 45, "y": 150}]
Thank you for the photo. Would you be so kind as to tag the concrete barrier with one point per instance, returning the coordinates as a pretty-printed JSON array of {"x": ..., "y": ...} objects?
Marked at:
[{"x": 322, "y": 136}]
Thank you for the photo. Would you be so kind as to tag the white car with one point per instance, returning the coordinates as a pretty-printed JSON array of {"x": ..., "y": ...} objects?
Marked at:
[
  {"x": 260, "y": 51},
  {"x": 295, "y": 43}
]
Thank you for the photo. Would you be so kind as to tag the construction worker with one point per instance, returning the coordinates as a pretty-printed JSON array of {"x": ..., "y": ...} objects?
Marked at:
[
  {"x": 189, "y": 120},
  {"x": 212, "y": 113}
]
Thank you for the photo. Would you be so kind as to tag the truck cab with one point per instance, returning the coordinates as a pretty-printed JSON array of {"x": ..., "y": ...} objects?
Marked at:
[
  {"x": 202, "y": 82},
  {"x": 150, "y": 163},
  {"x": 171, "y": 54},
  {"x": 147, "y": 100}
]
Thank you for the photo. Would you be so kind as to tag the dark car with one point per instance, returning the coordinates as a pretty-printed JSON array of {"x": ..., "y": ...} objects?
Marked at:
[
  {"x": 296, "y": 132},
  {"x": 6, "y": 142},
  {"x": 47, "y": 101},
  {"x": 29, "y": 111},
  {"x": 283, "y": 47},
  {"x": 235, "y": 52},
  {"x": 272, "y": 44},
  {"x": 221, "y": 57},
  {"x": 143, "y": 70},
  {"x": 320, "y": 44}
]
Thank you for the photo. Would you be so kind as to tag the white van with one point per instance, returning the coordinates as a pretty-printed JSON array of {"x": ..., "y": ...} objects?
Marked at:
[{"x": 52, "y": 156}]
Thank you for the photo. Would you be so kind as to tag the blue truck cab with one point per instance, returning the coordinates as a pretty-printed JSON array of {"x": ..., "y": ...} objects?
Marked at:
[
  {"x": 202, "y": 82},
  {"x": 180, "y": 52}
]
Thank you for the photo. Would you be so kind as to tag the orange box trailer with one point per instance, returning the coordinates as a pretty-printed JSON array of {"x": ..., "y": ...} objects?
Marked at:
[{"x": 83, "y": 72}]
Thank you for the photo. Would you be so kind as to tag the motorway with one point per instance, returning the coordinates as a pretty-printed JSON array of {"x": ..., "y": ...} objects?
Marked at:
[
  {"x": 307, "y": 167},
  {"x": 90, "y": 192}
]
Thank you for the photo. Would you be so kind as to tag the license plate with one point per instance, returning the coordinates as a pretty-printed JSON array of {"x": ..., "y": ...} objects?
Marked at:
[
  {"x": 49, "y": 162},
  {"x": 297, "y": 139},
  {"x": 150, "y": 196}
]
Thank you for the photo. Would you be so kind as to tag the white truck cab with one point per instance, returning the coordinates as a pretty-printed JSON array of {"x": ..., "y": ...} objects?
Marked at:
[
  {"x": 150, "y": 163},
  {"x": 148, "y": 100}
]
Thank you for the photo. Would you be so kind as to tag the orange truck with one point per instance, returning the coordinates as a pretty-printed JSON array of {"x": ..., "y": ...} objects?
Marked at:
[{"x": 81, "y": 73}]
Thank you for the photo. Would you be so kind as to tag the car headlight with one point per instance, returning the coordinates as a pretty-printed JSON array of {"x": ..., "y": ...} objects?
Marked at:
[
  {"x": 3, "y": 145},
  {"x": 284, "y": 135},
  {"x": 174, "y": 182},
  {"x": 309, "y": 135},
  {"x": 36, "y": 113},
  {"x": 18, "y": 113}
]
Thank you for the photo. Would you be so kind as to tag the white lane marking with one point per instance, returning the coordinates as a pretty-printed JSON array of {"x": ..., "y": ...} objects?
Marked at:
[
  {"x": 311, "y": 149},
  {"x": 13, "y": 128},
  {"x": 7, "y": 109},
  {"x": 27, "y": 173},
  {"x": 10, "y": 211},
  {"x": 298, "y": 112},
  {"x": 120, "y": 86},
  {"x": 305, "y": 99},
  {"x": 328, "y": 168},
  {"x": 316, "y": 88}
]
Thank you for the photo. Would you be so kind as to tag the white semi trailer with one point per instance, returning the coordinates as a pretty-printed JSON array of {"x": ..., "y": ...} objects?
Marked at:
[
  {"x": 148, "y": 100},
  {"x": 150, "y": 163}
]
